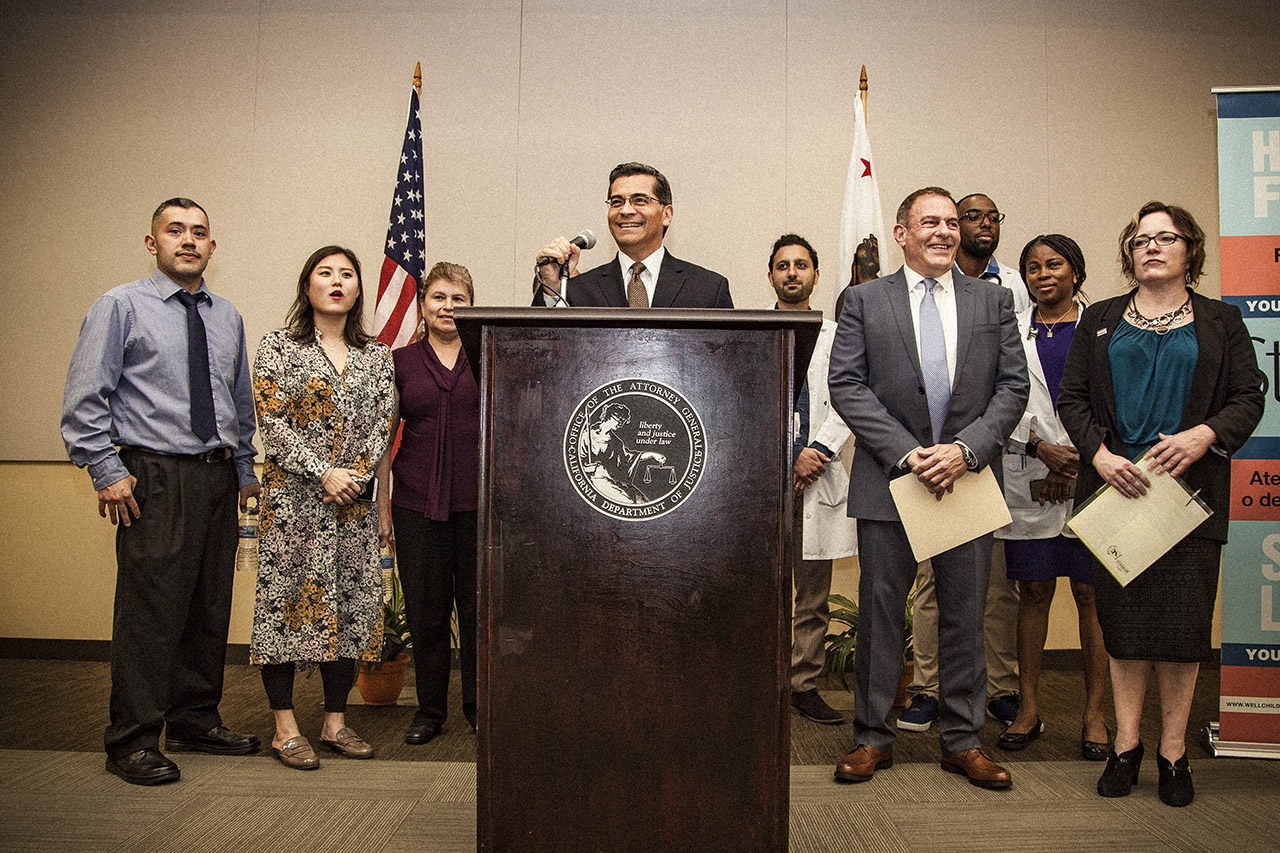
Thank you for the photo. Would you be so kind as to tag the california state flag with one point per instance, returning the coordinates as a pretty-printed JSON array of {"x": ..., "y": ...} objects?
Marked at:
[{"x": 861, "y": 216}]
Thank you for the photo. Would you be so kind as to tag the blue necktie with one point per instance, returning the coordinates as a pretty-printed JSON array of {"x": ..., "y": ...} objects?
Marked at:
[
  {"x": 203, "y": 423},
  {"x": 933, "y": 360}
]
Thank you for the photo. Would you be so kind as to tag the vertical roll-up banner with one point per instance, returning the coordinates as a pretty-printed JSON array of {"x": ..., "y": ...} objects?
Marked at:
[{"x": 1249, "y": 210}]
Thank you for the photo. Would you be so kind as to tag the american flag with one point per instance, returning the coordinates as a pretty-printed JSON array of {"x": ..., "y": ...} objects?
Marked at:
[{"x": 396, "y": 317}]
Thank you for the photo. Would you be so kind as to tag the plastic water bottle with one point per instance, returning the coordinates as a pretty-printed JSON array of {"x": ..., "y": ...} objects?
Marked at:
[
  {"x": 387, "y": 558},
  {"x": 247, "y": 549}
]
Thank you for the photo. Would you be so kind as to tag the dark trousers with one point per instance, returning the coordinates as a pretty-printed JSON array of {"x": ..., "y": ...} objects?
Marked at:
[
  {"x": 960, "y": 575},
  {"x": 337, "y": 676},
  {"x": 174, "y": 572},
  {"x": 437, "y": 562}
]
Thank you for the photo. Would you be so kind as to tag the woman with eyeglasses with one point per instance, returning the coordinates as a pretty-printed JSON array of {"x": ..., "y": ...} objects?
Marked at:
[
  {"x": 432, "y": 510},
  {"x": 1040, "y": 470},
  {"x": 1167, "y": 377}
]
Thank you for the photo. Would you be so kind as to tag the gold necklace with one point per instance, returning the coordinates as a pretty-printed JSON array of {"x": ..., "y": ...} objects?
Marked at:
[{"x": 1049, "y": 327}]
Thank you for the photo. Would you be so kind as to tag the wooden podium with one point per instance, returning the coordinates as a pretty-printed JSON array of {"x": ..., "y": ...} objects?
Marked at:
[{"x": 635, "y": 576}]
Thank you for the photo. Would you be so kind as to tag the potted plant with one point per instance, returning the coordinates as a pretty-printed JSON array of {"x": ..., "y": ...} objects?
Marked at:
[
  {"x": 842, "y": 645},
  {"x": 381, "y": 681}
]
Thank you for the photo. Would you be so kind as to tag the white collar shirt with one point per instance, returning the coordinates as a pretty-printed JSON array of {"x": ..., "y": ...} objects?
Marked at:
[
  {"x": 652, "y": 266},
  {"x": 944, "y": 296}
]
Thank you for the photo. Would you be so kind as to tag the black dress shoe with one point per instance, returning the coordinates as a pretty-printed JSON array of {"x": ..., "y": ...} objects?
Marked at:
[
  {"x": 811, "y": 705},
  {"x": 1092, "y": 750},
  {"x": 144, "y": 767},
  {"x": 1121, "y": 772},
  {"x": 219, "y": 740},
  {"x": 419, "y": 733},
  {"x": 1013, "y": 741},
  {"x": 1175, "y": 781}
]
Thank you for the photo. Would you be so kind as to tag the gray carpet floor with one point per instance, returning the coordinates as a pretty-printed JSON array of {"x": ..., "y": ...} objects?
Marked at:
[{"x": 55, "y": 795}]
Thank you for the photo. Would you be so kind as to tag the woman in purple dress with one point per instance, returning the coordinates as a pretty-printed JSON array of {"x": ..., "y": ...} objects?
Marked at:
[
  {"x": 433, "y": 501},
  {"x": 1040, "y": 466}
]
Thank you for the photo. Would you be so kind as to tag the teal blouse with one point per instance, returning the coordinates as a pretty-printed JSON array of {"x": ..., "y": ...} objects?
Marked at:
[{"x": 1151, "y": 375}]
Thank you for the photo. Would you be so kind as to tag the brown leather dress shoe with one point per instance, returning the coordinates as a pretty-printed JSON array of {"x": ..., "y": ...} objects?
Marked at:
[
  {"x": 297, "y": 753},
  {"x": 978, "y": 767},
  {"x": 861, "y": 764},
  {"x": 348, "y": 743}
]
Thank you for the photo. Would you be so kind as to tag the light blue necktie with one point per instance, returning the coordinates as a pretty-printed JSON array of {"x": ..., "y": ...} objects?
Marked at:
[{"x": 933, "y": 360}]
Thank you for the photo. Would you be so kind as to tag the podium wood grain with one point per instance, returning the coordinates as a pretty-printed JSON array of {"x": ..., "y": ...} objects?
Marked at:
[{"x": 601, "y": 638}]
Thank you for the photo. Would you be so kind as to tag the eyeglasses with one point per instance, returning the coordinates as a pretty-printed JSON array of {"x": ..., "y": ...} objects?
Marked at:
[
  {"x": 637, "y": 201},
  {"x": 976, "y": 216},
  {"x": 1164, "y": 238}
]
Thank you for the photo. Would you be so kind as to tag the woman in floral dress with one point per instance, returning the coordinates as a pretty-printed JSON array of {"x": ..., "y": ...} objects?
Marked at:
[{"x": 324, "y": 395}]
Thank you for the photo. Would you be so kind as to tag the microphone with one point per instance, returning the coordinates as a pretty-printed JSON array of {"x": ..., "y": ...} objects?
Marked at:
[{"x": 585, "y": 240}]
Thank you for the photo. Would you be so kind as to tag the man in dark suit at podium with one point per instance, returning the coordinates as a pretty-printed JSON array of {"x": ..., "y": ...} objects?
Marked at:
[
  {"x": 928, "y": 372},
  {"x": 643, "y": 274}
]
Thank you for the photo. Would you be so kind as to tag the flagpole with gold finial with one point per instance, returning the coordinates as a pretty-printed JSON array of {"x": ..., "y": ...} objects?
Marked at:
[
  {"x": 862, "y": 91},
  {"x": 417, "y": 78}
]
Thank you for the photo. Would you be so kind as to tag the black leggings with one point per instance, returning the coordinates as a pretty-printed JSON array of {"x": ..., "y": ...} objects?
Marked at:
[{"x": 336, "y": 675}]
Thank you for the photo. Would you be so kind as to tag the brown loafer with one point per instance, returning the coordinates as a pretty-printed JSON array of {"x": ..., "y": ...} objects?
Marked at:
[
  {"x": 861, "y": 764},
  {"x": 978, "y": 767},
  {"x": 348, "y": 743},
  {"x": 297, "y": 753}
]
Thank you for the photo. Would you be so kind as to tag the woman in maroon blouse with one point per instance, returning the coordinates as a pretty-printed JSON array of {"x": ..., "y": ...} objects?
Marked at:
[{"x": 433, "y": 503}]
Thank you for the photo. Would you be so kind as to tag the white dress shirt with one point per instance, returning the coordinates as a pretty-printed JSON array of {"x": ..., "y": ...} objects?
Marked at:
[
  {"x": 649, "y": 278},
  {"x": 944, "y": 296}
]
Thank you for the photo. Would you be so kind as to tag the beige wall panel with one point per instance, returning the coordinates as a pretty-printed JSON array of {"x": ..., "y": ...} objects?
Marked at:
[
  {"x": 687, "y": 87},
  {"x": 939, "y": 114},
  {"x": 333, "y": 92},
  {"x": 1132, "y": 118},
  {"x": 106, "y": 113},
  {"x": 58, "y": 567}
]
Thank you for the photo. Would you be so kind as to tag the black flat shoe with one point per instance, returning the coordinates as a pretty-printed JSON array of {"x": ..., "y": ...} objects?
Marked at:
[
  {"x": 1175, "y": 781},
  {"x": 219, "y": 740},
  {"x": 1014, "y": 741},
  {"x": 144, "y": 767},
  {"x": 1121, "y": 772},
  {"x": 1092, "y": 750},
  {"x": 420, "y": 733}
]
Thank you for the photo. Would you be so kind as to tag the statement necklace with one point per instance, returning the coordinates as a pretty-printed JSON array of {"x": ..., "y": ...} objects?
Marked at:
[{"x": 1160, "y": 325}]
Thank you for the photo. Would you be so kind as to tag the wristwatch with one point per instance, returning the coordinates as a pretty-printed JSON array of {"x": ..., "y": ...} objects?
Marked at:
[
  {"x": 970, "y": 458},
  {"x": 1033, "y": 446}
]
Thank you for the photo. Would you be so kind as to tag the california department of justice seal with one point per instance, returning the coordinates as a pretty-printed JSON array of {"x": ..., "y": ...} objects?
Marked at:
[{"x": 635, "y": 449}]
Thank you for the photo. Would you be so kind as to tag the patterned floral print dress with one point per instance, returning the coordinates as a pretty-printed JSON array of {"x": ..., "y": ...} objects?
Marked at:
[{"x": 319, "y": 592}]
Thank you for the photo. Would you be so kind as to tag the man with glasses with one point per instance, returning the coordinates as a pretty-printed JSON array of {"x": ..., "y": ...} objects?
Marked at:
[
  {"x": 643, "y": 274},
  {"x": 979, "y": 238}
]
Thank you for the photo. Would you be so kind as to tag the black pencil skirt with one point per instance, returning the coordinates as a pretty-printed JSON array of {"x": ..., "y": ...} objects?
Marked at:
[{"x": 1165, "y": 613}]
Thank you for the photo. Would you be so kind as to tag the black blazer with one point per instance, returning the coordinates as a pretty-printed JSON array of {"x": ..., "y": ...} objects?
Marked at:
[
  {"x": 1226, "y": 394},
  {"x": 680, "y": 285}
]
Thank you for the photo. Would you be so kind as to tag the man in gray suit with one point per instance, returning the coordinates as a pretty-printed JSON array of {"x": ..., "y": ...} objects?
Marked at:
[{"x": 928, "y": 371}]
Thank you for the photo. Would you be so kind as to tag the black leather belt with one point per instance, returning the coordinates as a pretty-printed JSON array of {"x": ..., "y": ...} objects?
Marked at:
[{"x": 218, "y": 454}]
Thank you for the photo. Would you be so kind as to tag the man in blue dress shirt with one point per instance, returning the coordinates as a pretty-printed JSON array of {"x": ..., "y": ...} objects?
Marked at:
[{"x": 159, "y": 407}]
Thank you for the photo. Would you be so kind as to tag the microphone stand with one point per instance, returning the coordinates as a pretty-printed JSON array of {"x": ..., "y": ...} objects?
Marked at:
[
  {"x": 546, "y": 290},
  {"x": 564, "y": 283}
]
